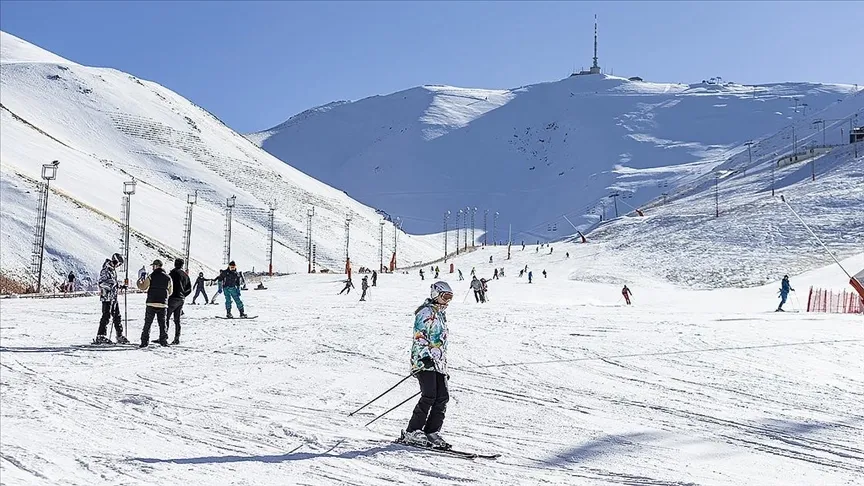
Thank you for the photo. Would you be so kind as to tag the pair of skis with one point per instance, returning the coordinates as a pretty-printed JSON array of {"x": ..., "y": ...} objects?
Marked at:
[{"x": 449, "y": 452}]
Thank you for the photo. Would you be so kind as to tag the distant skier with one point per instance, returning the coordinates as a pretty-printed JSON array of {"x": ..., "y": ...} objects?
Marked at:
[
  {"x": 477, "y": 287},
  {"x": 495, "y": 275},
  {"x": 567, "y": 254},
  {"x": 199, "y": 288},
  {"x": 108, "y": 287},
  {"x": 530, "y": 277},
  {"x": 348, "y": 286},
  {"x": 785, "y": 287},
  {"x": 490, "y": 258},
  {"x": 483, "y": 290},
  {"x": 429, "y": 362},
  {"x": 70, "y": 286},
  {"x": 473, "y": 273},
  {"x": 436, "y": 273},
  {"x": 364, "y": 286},
  {"x": 422, "y": 276},
  {"x": 230, "y": 280},
  {"x": 182, "y": 288},
  {"x": 523, "y": 245},
  {"x": 626, "y": 293},
  {"x": 158, "y": 287},
  {"x": 374, "y": 278},
  {"x": 501, "y": 273},
  {"x": 544, "y": 273},
  {"x": 460, "y": 275},
  {"x": 550, "y": 250}
]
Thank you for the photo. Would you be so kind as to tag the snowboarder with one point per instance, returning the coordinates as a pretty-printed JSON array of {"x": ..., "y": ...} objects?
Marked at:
[
  {"x": 364, "y": 286},
  {"x": 260, "y": 286},
  {"x": 495, "y": 275},
  {"x": 158, "y": 286},
  {"x": 477, "y": 287},
  {"x": 348, "y": 286},
  {"x": 219, "y": 286},
  {"x": 785, "y": 287},
  {"x": 199, "y": 288},
  {"x": 374, "y": 278},
  {"x": 108, "y": 287},
  {"x": 182, "y": 288},
  {"x": 230, "y": 279},
  {"x": 626, "y": 293},
  {"x": 544, "y": 273},
  {"x": 70, "y": 286},
  {"x": 460, "y": 275},
  {"x": 429, "y": 362},
  {"x": 422, "y": 276},
  {"x": 530, "y": 276}
]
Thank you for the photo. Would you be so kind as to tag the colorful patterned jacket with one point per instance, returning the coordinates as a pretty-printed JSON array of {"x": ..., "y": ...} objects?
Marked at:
[
  {"x": 108, "y": 282},
  {"x": 430, "y": 337}
]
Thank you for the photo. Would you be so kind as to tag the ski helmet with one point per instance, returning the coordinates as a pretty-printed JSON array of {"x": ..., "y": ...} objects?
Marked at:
[
  {"x": 441, "y": 289},
  {"x": 117, "y": 259}
]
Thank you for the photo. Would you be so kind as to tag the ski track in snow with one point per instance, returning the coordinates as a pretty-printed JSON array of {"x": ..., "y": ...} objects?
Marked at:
[{"x": 682, "y": 388}]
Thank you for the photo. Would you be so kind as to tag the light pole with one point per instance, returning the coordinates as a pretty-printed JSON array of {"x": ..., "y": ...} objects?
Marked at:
[
  {"x": 309, "y": 246},
  {"x": 49, "y": 173},
  {"x": 716, "y": 196},
  {"x": 458, "y": 230},
  {"x": 381, "y": 248},
  {"x": 495, "y": 229},
  {"x": 272, "y": 228},
  {"x": 229, "y": 209},
  {"x": 465, "y": 225},
  {"x": 128, "y": 191},
  {"x": 396, "y": 223},
  {"x": 485, "y": 217},
  {"x": 191, "y": 200},
  {"x": 446, "y": 215},
  {"x": 473, "y": 240},
  {"x": 347, "y": 241},
  {"x": 773, "y": 165}
]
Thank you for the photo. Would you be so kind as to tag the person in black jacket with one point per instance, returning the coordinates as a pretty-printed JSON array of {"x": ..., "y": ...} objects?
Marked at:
[
  {"x": 182, "y": 289},
  {"x": 231, "y": 286},
  {"x": 158, "y": 287},
  {"x": 199, "y": 288}
]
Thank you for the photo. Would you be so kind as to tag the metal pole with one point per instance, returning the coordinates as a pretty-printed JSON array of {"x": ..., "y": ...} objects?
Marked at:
[
  {"x": 394, "y": 408},
  {"x": 465, "y": 225},
  {"x": 773, "y": 165},
  {"x": 473, "y": 239},
  {"x": 446, "y": 215},
  {"x": 370, "y": 402},
  {"x": 42, "y": 239},
  {"x": 381, "y": 249},
  {"x": 347, "y": 241},
  {"x": 485, "y": 233},
  {"x": 716, "y": 198},
  {"x": 272, "y": 227},
  {"x": 458, "y": 230}
]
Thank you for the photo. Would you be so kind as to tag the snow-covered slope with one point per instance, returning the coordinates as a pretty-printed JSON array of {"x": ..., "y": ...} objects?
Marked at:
[
  {"x": 538, "y": 152},
  {"x": 684, "y": 387},
  {"x": 106, "y": 126}
]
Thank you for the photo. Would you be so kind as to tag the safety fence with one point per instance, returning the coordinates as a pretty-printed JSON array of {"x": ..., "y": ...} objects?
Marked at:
[{"x": 834, "y": 302}]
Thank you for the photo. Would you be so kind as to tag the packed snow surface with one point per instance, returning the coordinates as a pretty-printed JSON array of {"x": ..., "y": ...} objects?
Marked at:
[{"x": 570, "y": 386}]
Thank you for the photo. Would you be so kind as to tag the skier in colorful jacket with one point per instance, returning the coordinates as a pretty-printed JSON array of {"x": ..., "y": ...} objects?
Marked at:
[{"x": 429, "y": 365}]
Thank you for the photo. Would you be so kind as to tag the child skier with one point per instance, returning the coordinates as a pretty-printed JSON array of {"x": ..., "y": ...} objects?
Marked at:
[
  {"x": 364, "y": 286},
  {"x": 429, "y": 363},
  {"x": 199, "y": 288},
  {"x": 348, "y": 286}
]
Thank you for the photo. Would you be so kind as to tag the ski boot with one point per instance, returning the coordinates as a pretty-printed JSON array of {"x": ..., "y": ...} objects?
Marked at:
[
  {"x": 415, "y": 438},
  {"x": 436, "y": 442},
  {"x": 175, "y": 341},
  {"x": 102, "y": 339},
  {"x": 229, "y": 316},
  {"x": 163, "y": 342},
  {"x": 121, "y": 339},
  {"x": 243, "y": 315}
]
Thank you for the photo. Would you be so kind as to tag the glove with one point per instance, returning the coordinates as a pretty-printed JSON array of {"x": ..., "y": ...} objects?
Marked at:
[{"x": 428, "y": 363}]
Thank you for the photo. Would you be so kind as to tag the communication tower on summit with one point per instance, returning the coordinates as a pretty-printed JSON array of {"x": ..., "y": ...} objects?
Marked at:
[{"x": 595, "y": 67}]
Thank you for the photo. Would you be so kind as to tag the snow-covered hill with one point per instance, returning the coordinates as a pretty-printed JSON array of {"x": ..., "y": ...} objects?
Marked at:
[
  {"x": 537, "y": 153},
  {"x": 105, "y": 127}
]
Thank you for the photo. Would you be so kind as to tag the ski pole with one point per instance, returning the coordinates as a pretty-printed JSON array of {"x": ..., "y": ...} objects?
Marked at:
[
  {"x": 126, "y": 310},
  {"x": 394, "y": 408},
  {"x": 381, "y": 395}
]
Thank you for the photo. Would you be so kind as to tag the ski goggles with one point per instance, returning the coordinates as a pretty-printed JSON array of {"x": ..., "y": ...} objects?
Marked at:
[{"x": 445, "y": 297}]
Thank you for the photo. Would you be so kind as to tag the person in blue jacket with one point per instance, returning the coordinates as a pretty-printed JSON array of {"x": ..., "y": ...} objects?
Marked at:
[{"x": 784, "y": 292}]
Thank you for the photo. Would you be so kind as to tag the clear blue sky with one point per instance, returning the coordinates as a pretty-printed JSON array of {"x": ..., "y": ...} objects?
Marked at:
[{"x": 254, "y": 64}]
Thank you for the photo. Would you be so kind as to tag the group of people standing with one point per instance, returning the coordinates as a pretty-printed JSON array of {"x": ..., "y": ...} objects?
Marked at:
[{"x": 166, "y": 294}]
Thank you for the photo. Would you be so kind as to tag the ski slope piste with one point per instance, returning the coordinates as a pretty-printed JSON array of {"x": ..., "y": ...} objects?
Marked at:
[{"x": 560, "y": 377}]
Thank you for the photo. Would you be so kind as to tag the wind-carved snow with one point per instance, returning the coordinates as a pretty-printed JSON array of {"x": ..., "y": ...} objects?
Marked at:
[{"x": 453, "y": 108}]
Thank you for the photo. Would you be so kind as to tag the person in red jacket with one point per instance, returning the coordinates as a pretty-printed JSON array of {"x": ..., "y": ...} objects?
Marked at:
[{"x": 626, "y": 293}]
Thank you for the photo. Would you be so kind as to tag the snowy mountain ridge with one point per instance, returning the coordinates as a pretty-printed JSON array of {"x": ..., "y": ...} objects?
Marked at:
[
  {"x": 105, "y": 127},
  {"x": 560, "y": 147}
]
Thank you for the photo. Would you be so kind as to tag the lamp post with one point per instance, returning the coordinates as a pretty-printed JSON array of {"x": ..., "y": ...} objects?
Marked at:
[
  {"x": 309, "y": 247},
  {"x": 272, "y": 230},
  {"x": 485, "y": 233},
  {"x": 458, "y": 230},
  {"x": 396, "y": 223},
  {"x": 347, "y": 242},
  {"x": 381, "y": 248},
  {"x": 473, "y": 239},
  {"x": 49, "y": 173},
  {"x": 128, "y": 191},
  {"x": 495, "y": 228},
  {"x": 446, "y": 216},
  {"x": 191, "y": 200},
  {"x": 465, "y": 225},
  {"x": 229, "y": 209}
]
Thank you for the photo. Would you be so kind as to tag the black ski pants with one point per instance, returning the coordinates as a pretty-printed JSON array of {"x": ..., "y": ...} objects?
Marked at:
[
  {"x": 175, "y": 308},
  {"x": 199, "y": 291},
  {"x": 161, "y": 314},
  {"x": 477, "y": 295},
  {"x": 363, "y": 297},
  {"x": 110, "y": 310},
  {"x": 429, "y": 413}
]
